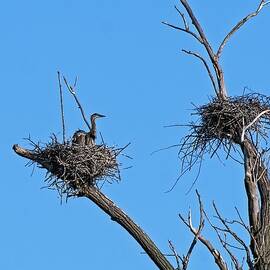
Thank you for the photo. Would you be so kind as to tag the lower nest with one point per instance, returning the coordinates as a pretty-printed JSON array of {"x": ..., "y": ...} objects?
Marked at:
[{"x": 73, "y": 167}]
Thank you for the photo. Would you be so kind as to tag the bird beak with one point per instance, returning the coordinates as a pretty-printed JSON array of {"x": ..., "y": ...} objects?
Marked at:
[{"x": 101, "y": 115}]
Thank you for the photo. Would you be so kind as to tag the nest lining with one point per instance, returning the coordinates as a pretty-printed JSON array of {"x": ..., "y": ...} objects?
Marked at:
[
  {"x": 220, "y": 124},
  {"x": 70, "y": 168}
]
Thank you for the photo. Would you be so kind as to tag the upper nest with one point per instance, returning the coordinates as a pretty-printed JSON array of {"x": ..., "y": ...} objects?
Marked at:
[
  {"x": 224, "y": 122},
  {"x": 73, "y": 167}
]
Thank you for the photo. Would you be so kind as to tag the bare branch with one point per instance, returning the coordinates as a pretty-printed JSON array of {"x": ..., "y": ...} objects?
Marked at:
[
  {"x": 175, "y": 254},
  {"x": 197, "y": 25},
  {"x": 195, "y": 239},
  {"x": 206, "y": 66},
  {"x": 62, "y": 106},
  {"x": 184, "y": 30},
  {"x": 236, "y": 237},
  {"x": 72, "y": 91},
  {"x": 252, "y": 123},
  {"x": 197, "y": 233},
  {"x": 222, "y": 94},
  {"x": 183, "y": 18},
  {"x": 239, "y": 24}
]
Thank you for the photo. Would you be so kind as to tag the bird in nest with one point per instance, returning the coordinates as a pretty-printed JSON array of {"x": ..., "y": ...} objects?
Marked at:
[{"x": 81, "y": 137}]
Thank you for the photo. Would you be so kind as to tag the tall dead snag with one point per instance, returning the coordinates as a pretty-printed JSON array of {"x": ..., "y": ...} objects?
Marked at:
[{"x": 232, "y": 123}]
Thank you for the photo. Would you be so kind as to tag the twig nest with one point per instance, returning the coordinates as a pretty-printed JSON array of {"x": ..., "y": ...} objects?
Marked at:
[
  {"x": 222, "y": 119},
  {"x": 221, "y": 123},
  {"x": 73, "y": 167}
]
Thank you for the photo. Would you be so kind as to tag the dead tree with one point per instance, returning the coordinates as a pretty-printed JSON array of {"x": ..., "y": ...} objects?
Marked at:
[{"x": 224, "y": 123}]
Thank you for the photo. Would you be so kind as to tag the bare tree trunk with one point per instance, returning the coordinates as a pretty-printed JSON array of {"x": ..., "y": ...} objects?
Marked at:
[{"x": 258, "y": 193}]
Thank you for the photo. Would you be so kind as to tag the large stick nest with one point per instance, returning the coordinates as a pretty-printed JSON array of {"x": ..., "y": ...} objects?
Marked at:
[
  {"x": 223, "y": 123},
  {"x": 71, "y": 168}
]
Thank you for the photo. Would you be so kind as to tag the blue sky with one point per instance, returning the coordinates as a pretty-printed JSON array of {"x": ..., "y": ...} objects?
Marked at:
[{"x": 130, "y": 68}]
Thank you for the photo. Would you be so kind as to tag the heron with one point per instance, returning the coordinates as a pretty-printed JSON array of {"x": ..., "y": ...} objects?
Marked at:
[
  {"x": 78, "y": 137},
  {"x": 91, "y": 136},
  {"x": 81, "y": 137}
]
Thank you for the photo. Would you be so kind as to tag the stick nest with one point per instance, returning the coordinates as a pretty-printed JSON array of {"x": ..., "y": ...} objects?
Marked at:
[
  {"x": 71, "y": 168},
  {"x": 223, "y": 123}
]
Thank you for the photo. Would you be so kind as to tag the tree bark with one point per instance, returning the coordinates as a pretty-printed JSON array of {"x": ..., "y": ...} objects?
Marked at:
[{"x": 258, "y": 193}]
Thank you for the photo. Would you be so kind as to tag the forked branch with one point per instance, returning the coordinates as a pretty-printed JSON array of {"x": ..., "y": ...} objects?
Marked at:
[
  {"x": 197, "y": 235},
  {"x": 218, "y": 83},
  {"x": 228, "y": 230}
]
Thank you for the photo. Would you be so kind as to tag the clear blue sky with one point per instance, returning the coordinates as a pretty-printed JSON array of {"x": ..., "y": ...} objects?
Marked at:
[{"x": 130, "y": 68}]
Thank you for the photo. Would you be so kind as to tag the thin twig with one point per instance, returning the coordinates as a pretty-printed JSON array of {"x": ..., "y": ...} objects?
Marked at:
[
  {"x": 175, "y": 254},
  {"x": 195, "y": 239},
  {"x": 183, "y": 30},
  {"x": 183, "y": 18},
  {"x": 71, "y": 90},
  {"x": 235, "y": 236},
  {"x": 238, "y": 25},
  {"x": 214, "y": 252},
  {"x": 206, "y": 66},
  {"x": 62, "y": 106}
]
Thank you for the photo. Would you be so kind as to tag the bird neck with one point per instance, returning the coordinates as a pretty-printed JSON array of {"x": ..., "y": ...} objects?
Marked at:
[{"x": 93, "y": 130}]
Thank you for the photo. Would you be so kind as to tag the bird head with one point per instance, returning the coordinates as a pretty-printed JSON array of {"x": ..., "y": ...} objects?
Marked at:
[{"x": 96, "y": 115}]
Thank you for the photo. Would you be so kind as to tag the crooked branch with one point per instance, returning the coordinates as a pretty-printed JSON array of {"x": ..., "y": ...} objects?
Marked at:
[
  {"x": 72, "y": 91},
  {"x": 252, "y": 123},
  {"x": 240, "y": 24},
  {"x": 206, "y": 66}
]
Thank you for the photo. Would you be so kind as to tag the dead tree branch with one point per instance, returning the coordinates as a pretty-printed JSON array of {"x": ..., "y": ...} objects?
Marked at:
[
  {"x": 218, "y": 83},
  {"x": 239, "y": 25},
  {"x": 115, "y": 213},
  {"x": 62, "y": 106},
  {"x": 237, "y": 239},
  {"x": 197, "y": 234},
  {"x": 73, "y": 93},
  {"x": 252, "y": 123},
  {"x": 206, "y": 66},
  {"x": 210, "y": 52},
  {"x": 175, "y": 254}
]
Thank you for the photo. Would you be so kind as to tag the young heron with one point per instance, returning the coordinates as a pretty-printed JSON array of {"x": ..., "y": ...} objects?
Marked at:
[{"x": 83, "y": 138}]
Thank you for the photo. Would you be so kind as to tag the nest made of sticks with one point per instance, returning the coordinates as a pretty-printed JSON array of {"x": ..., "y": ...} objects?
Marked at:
[
  {"x": 223, "y": 123},
  {"x": 71, "y": 168}
]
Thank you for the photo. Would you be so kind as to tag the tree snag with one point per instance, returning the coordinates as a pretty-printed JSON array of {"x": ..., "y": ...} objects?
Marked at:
[{"x": 232, "y": 123}]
